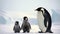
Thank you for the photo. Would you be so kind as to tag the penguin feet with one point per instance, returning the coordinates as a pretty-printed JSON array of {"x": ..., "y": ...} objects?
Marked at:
[
  {"x": 41, "y": 32},
  {"x": 49, "y": 31},
  {"x": 45, "y": 32},
  {"x": 16, "y": 32}
]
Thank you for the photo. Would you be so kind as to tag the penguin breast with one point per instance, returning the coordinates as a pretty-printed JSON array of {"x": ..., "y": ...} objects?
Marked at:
[{"x": 40, "y": 19}]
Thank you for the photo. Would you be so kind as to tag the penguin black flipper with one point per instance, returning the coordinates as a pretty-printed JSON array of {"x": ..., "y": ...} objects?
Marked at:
[{"x": 47, "y": 20}]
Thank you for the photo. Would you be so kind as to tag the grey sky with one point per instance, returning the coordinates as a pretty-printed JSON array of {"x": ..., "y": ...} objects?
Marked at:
[{"x": 28, "y": 6}]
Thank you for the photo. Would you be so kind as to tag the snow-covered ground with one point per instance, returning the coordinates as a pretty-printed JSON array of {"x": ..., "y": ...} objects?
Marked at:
[{"x": 8, "y": 29}]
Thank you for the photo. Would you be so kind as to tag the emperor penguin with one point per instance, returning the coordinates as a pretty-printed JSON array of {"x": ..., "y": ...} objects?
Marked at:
[{"x": 44, "y": 20}]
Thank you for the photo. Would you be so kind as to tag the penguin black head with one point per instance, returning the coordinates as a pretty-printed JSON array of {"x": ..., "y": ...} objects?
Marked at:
[
  {"x": 25, "y": 18},
  {"x": 16, "y": 23},
  {"x": 40, "y": 9}
]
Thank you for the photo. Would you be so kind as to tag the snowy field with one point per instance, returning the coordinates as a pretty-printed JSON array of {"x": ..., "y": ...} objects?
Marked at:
[{"x": 8, "y": 29}]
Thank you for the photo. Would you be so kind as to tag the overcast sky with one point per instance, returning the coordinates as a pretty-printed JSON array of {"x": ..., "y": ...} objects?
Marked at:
[{"x": 21, "y": 8}]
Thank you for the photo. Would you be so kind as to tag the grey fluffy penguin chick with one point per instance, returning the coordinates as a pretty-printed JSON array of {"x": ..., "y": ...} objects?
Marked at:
[{"x": 16, "y": 27}]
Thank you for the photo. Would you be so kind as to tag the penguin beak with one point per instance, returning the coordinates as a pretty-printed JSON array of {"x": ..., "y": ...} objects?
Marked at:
[{"x": 35, "y": 10}]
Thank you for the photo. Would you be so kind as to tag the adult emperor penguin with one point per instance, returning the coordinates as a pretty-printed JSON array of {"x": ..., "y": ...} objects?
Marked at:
[{"x": 44, "y": 20}]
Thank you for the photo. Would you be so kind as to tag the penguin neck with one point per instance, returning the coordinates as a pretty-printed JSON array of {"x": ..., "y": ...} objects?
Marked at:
[
  {"x": 25, "y": 21},
  {"x": 40, "y": 13}
]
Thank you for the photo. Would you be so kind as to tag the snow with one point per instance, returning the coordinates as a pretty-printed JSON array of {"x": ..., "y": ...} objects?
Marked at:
[{"x": 8, "y": 29}]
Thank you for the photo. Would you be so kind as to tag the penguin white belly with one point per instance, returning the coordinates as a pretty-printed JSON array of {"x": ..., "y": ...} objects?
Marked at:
[{"x": 40, "y": 19}]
